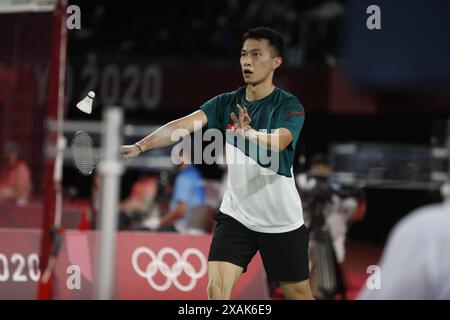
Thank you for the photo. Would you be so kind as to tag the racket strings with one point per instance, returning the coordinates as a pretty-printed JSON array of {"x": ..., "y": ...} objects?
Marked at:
[{"x": 83, "y": 152}]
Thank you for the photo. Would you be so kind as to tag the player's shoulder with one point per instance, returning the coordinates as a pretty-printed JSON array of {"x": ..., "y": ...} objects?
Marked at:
[
  {"x": 287, "y": 100},
  {"x": 222, "y": 101},
  {"x": 231, "y": 95}
]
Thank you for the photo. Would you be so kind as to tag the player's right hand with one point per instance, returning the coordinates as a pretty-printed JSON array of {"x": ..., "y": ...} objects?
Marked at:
[{"x": 130, "y": 151}]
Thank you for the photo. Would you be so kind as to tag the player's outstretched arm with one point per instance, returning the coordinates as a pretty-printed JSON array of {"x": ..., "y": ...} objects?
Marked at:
[{"x": 162, "y": 136}]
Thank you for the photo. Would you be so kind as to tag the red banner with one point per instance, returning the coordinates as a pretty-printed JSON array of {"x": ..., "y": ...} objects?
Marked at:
[
  {"x": 148, "y": 266},
  {"x": 30, "y": 215}
]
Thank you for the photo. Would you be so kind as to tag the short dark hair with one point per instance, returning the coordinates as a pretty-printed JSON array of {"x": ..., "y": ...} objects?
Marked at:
[{"x": 275, "y": 38}]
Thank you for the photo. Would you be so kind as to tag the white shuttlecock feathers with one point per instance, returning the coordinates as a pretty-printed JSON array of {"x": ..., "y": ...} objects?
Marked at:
[{"x": 85, "y": 105}]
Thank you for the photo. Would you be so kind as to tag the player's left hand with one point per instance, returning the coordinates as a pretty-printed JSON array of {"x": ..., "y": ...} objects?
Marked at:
[{"x": 242, "y": 124}]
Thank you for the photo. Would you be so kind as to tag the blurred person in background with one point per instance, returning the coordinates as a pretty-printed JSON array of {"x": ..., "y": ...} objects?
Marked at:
[
  {"x": 416, "y": 260},
  {"x": 329, "y": 209},
  {"x": 259, "y": 212},
  {"x": 137, "y": 205},
  {"x": 15, "y": 176},
  {"x": 346, "y": 204},
  {"x": 134, "y": 208},
  {"x": 187, "y": 196},
  {"x": 141, "y": 210}
]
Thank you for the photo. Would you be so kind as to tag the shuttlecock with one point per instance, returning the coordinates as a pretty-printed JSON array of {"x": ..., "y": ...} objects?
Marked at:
[{"x": 85, "y": 105}]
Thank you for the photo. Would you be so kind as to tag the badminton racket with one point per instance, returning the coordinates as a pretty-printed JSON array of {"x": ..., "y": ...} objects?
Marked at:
[{"x": 85, "y": 156}]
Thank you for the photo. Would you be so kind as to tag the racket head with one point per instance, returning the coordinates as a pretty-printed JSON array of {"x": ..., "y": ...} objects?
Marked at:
[{"x": 84, "y": 155}]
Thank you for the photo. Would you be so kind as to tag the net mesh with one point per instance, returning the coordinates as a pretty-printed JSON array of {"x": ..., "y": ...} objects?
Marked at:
[
  {"x": 27, "y": 41},
  {"x": 25, "y": 55}
]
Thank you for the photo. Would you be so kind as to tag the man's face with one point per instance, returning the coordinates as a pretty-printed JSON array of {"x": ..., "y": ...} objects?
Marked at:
[{"x": 257, "y": 60}]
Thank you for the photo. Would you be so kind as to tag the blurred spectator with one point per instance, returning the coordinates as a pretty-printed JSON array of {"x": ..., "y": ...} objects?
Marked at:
[
  {"x": 138, "y": 204},
  {"x": 344, "y": 204},
  {"x": 188, "y": 199},
  {"x": 139, "y": 208},
  {"x": 416, "y": 260},
  {"x": 319, "y": 32},
  {"x": 141, "y": 196},
  {"x": 328, "y": 207},
  {"x": 15, "y": 176}
]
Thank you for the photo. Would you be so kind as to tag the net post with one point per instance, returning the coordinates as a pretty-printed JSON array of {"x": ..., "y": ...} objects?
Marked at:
[{"x": 111, "y": 169}]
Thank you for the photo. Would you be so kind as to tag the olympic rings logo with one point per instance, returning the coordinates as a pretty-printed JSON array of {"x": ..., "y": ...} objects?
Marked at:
[{"x": 171, "y": 273}]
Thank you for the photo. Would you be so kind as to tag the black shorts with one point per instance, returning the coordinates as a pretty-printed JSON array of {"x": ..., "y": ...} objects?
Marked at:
[{"x": 284, "y": 255}]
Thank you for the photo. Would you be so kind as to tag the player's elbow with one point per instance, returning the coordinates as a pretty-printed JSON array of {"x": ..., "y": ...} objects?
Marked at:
[
  {"x": 193, "y": 122},
  {"x": 283, "y": 146},
  {"x": 284, "y": 139}
]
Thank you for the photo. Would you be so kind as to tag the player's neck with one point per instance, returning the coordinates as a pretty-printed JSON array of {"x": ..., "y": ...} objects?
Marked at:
[{"x": 259, "y": 91}]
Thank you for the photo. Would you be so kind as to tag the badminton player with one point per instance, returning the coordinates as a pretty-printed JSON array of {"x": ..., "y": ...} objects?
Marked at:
[{"x": 259, "y": 212}]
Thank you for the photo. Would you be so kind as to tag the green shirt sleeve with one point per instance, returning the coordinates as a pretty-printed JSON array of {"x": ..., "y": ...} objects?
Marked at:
[
  {"x": 291, "y": 116},
  {"x": 213, "y": 109}
]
